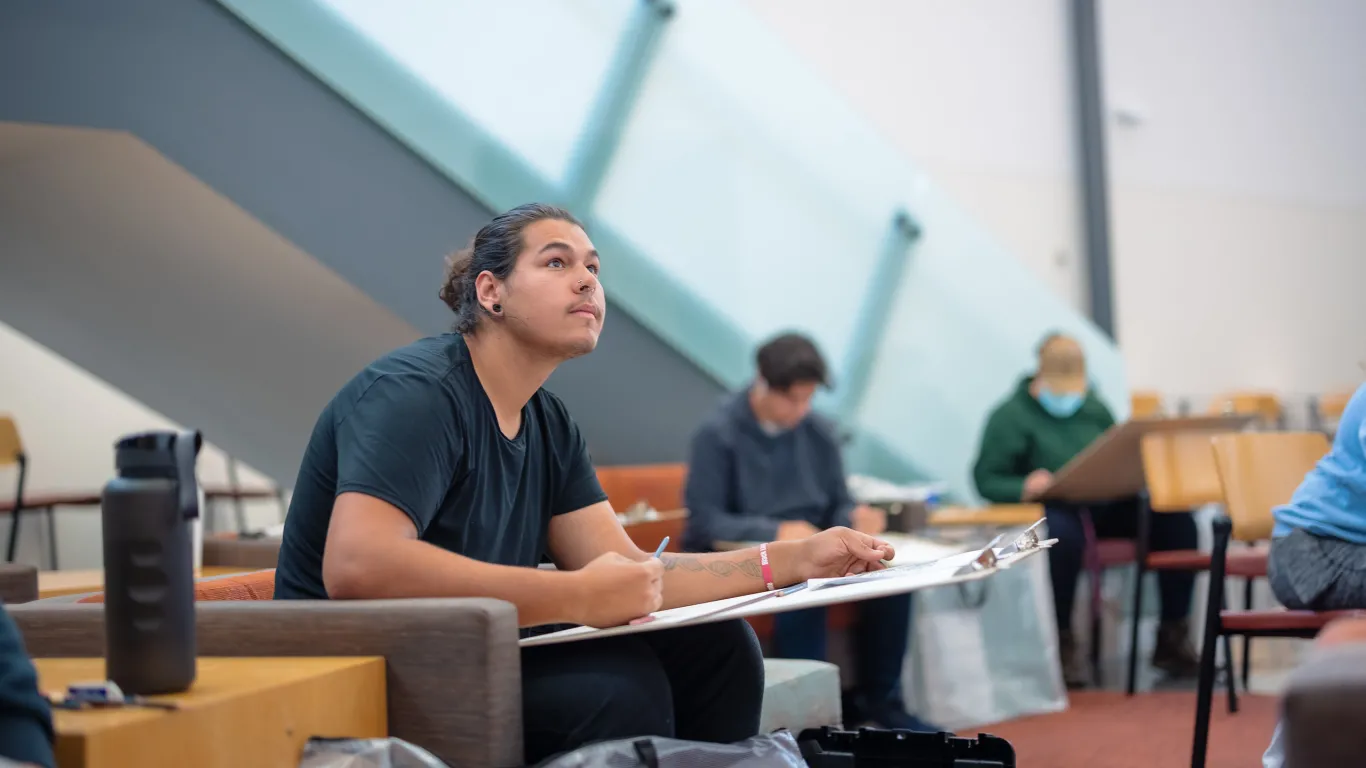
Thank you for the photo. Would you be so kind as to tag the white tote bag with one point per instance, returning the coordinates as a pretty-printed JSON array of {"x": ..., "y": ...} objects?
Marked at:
[{"x": 986, "y": 651}]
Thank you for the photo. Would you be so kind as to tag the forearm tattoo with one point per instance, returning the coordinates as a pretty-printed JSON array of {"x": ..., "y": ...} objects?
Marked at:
[{"x": 713, "y": 565}]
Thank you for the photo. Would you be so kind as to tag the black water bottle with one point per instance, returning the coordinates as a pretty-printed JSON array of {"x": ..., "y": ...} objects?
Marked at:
[{"x": 148, "y": 511}]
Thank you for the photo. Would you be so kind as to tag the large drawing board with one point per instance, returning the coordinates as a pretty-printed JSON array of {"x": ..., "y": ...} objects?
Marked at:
[
  {"x": 938, "y": 573},
  {"x": 1111, "y": 468}
]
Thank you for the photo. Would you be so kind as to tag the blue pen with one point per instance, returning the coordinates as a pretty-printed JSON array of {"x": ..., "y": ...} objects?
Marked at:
[{"x": 658, "y": 551}]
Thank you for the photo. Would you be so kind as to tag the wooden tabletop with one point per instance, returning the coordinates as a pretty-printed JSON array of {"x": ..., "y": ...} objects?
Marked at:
[
  {"x": 1002, "y": 515},
  {"x": 58, "y": 583},
  {"x": 89, "y": 498},
  {"x": 239, "y": 712}
]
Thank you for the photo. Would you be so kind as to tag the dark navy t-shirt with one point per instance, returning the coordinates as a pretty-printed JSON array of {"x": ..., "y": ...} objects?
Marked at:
[{"x": 415, "y": 429}]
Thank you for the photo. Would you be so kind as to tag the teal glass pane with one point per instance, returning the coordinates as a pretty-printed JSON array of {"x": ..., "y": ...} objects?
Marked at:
[
  {"x": 967, "y": 319},
  {"x": 745, "y": 197},
  {"x": 748, "y": 179},
  {"x": 749, "y": 182},
  {"x": 526, "y": 71}
]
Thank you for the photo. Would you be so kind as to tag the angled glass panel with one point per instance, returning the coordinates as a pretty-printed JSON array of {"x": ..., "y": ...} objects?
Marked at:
[{"x": 525, "y": 70}]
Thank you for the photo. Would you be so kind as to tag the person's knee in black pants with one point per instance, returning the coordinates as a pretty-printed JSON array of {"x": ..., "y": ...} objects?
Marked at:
[
  {"x": 578, "y": 693},
  {"x": 1173, "y": 531},
  {"x": 1174, "y": 653},
  {"x": 716, "y": 674},
  {"x": 881, "y": 638},
  {"x": 1065, "y": 560},
  {"x": 703, "y": 683},
  {"x": 800, "y": 634}
]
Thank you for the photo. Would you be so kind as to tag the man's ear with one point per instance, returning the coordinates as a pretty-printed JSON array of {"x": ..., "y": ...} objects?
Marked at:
[{"x": 488, "y": 290}]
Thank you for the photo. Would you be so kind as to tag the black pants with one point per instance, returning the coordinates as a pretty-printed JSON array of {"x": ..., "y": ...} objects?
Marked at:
[
  {"x": 702, "y": 683},
  {"x": 1170, "y": 530},
  {"x": 879, "y": 637}
]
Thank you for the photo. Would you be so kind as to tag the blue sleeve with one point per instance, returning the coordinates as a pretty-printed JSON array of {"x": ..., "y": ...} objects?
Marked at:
[
  {"x": 712, "y": 516},
  {"x": 401, "y": 442},
  {"x": 1361, "y": 423},
  {"x": 25, "y": 718}
]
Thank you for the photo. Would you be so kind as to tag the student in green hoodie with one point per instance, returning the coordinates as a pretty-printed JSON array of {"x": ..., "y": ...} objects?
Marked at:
[{"x": 1051, "y": 417}]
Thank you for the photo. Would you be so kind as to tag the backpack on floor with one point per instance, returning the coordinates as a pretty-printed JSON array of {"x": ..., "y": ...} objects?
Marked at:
[
  {"x": 832, "y": 748},
  {"x": 778, "y": 750}
]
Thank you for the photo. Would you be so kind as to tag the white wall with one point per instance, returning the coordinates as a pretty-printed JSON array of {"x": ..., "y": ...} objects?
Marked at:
[
  {"x": 68, "y": 421},
  {"x": 1239, "y": 200},
  {"x": 1238, "y": 203},
  {"x": 978, "y": 93}
]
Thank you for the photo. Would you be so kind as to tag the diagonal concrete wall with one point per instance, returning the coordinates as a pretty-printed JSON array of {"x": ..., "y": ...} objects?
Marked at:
[{"x": 233, "y": 239}]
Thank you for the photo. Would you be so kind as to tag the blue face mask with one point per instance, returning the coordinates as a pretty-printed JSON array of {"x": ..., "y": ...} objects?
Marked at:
[{"x": 1060, "y": 406}]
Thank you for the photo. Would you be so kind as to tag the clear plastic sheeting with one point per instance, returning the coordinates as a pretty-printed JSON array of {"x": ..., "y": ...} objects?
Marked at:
[
  {"x": 366, "y": 753},
  {"x": 778, "y": 750}
]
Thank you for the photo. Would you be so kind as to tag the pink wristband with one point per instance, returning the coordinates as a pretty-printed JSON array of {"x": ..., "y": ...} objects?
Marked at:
[{"x": 765, "y": 567}]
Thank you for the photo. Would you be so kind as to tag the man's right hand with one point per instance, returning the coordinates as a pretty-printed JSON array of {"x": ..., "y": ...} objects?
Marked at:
[
  {"x": 1035, "y": 483},
  {"x": 794, "y": 530},
  {"x": 614, "y": 589}
]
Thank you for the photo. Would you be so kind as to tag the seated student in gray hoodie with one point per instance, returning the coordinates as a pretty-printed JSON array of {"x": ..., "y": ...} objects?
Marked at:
[{"x": 763, "y": 468}]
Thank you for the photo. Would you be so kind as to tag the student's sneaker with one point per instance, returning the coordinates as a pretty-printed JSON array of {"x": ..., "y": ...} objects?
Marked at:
[
  {"x": 1074, "y": 668},
  {"x": 897, "y": 719},
  {"x": 1174, "y": 653},
  {"x": 891, "y": 716}
]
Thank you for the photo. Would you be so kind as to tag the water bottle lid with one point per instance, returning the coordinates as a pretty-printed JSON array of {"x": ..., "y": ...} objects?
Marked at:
[
  {"x": 163, "y": 454},
  {"x": 149, "y": 444}
]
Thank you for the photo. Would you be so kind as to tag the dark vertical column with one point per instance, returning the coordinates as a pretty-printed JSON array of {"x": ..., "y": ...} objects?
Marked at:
[{"x": 1094, "y": 181}]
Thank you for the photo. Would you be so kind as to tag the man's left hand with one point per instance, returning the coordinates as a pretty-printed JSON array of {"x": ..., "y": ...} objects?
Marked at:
[
  {"x": 841, "y": 552},
  {"x": 869, "y": 520}
]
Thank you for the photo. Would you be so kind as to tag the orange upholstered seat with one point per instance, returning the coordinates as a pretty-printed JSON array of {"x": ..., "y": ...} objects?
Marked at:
[
  {"x": 257, "y": 585},
  {"x": 659, "y": 485}
]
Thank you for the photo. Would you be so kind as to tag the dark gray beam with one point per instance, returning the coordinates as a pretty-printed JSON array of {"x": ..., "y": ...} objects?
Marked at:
[{"x": 1094, "y": 181}]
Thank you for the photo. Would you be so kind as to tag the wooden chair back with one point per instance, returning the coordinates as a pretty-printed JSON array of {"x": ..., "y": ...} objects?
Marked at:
[
  {"x": 11, "y": 447},
  {"x": 1145, "y": 405},
  {"x": 1178, "y": 468},
  {"x": 1260, "y": 470},
  {"x": 659, "y": 485},
  {"x": 1264, "y": 405},
  {"x": 1332, "y": 405}
]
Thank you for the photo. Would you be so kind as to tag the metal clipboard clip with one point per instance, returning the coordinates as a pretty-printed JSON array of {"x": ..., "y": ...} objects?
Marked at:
[
  {"x": 985, "y": 560},
  {"x": 1026, "y": 541}
]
